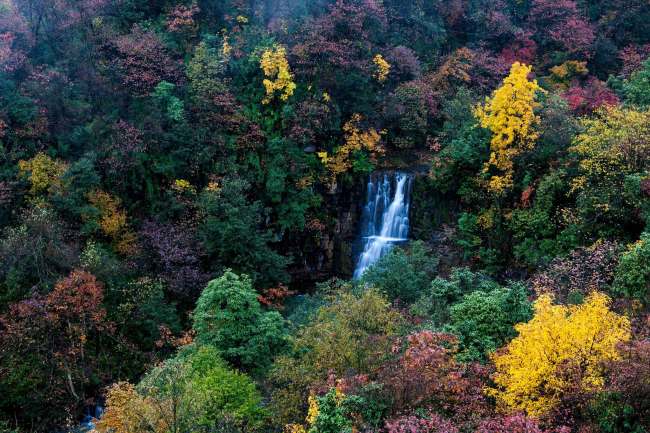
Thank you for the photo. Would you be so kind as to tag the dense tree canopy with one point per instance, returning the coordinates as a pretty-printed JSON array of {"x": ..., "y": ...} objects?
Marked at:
[{"x": 182, "y": 184}]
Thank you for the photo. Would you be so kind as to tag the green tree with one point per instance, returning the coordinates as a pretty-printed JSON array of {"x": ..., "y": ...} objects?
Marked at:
[
  {"x": 465, "y": 145},
  {"x": 484, "y": 321},
  {"x": 334, "y": 412},
  {"x": 443, "y": 293},
  {"x": 403, "y": 273},
  {"x": 539, "y": 232},
  {"x": 233, "y": 234},
  {"x": 632, "y": 276},
  {"x": 193, "y": 391},
  {"x": 351, "y": 335},
  {"x": 637, "y": 89},
  {"x": 169, "y": 104},
  {"x": 229, "y": 317}
]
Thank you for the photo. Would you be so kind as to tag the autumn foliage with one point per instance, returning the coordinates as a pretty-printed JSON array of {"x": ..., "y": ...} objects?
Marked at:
[
  {"x": 509, "y": 115},
  {"x": 558, "y": 337},
  {"x": 54, "y": 341},
  {"x": 279, "y": 77},
  {"x": 183, "y": 185}
]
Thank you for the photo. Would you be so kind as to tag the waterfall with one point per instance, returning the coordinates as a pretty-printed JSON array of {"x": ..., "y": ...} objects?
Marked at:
[{"x": 385, "y": 220}]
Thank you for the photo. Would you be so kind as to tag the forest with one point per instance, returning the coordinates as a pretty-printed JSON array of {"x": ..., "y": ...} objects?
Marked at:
[{"x": 324, "y": 216}]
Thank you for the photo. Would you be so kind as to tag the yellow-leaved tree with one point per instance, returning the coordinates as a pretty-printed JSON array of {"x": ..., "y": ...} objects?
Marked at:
[
  {"x": 44, "y": 173},
  {"x": 355, "y": 139},
  {"x": 111, "y": 220},
  {"x": 382, "y": 68},
  {"x": 578, "y": 339},
  {"x": 129, "y": 412},
  {"x": 614, "y": 143},
  {"x": 510, "y": 115},
  {"x": 279, "y": 77}
]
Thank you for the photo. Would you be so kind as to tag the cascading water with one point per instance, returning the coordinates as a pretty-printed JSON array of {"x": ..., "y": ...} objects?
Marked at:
[{"x": 385, "y": 220}]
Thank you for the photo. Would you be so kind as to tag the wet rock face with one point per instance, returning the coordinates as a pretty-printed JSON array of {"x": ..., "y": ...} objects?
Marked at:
[
  {"x": 327, "y": 248},
  {"x": 346, "y": 235},
  {"x": 339, "y": 250},
  {"x": 336, "y": 248}
]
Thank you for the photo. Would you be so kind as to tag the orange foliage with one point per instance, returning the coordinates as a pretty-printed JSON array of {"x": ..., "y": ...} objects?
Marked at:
[{"x": 113, "y": 221}]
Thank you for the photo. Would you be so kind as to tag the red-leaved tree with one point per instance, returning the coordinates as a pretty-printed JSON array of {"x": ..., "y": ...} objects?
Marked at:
[
  {"x": 143, "y": 61},
  {"x": 560, "y": 22},
  {"x": 50, "y": 347},
  {"x": 428, "y": 375}
]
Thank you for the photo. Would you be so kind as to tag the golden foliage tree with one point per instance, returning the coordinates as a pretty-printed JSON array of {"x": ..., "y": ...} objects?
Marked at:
[
  {"x": 615, "y": 142},
  {"x": 355, "y": 140},
  {"x": 192, "y": 392},
  {"x": 112, "y": 220},
  {"x": 279, "y": 77},
  {"x": 382, "y": 68},
  {"x": 562, "y": 75},
  {"x": 44, "y": 173},
  {"x": 577, "y": 338},
  {"x": 129, "y": 412},
  {"x": 510, "y": 115},
  {"x": 457, "y": 68}
]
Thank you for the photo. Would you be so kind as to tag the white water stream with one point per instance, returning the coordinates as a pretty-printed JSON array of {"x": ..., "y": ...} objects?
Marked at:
[{"x": 385, "y": 220}]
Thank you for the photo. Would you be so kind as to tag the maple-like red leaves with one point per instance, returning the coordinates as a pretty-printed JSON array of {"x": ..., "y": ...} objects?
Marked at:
[
  {"x": 427, "y": 374},
  {"x": 48, "y": 344},
  {"x": 593, "y": 94},
  {"x": 143, "y": 61}
]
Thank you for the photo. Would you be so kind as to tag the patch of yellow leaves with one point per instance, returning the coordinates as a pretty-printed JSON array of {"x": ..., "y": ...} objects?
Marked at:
[
  {"x": 279, "y": 77},
  {"x": 355, "y": 139},
  {"x": 382, "y": 68},
  {"x": 226, "y": 48},
  {"x": 113, "y": 221},
  {"x": 616, "y": 141},
  {"x": 509, "y": 114},
  {"x": 577, "y": 338},
  {"x": 44, "y": 173},
  {"x": 129, "y": 412}
]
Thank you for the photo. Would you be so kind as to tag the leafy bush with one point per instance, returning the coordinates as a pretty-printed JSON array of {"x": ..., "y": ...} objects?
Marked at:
[
  {"x": 632, "y": 276},
  {"x": 229, "y": 317},
  {"x": 443, "y": 293},
  {"x": 484, "y": 321},
  {"x": 637, "y": 89},
  {"x": 350, "y": 335},
  {"x": 194, "y": 391},
  {"x": 404, "y": 273}
]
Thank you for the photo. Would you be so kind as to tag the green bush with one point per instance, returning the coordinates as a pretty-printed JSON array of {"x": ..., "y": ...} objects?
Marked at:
[
  {"x": 632, "y": 276},
  {"x": 229, "y": 317},
  {"x": 484, "y": 321},
  {"x": 403, "y": 273},
  {"x": 205, "y": 391},
  {"x": 443, "y": 293},
  {"x": 637, "y": 89}
]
